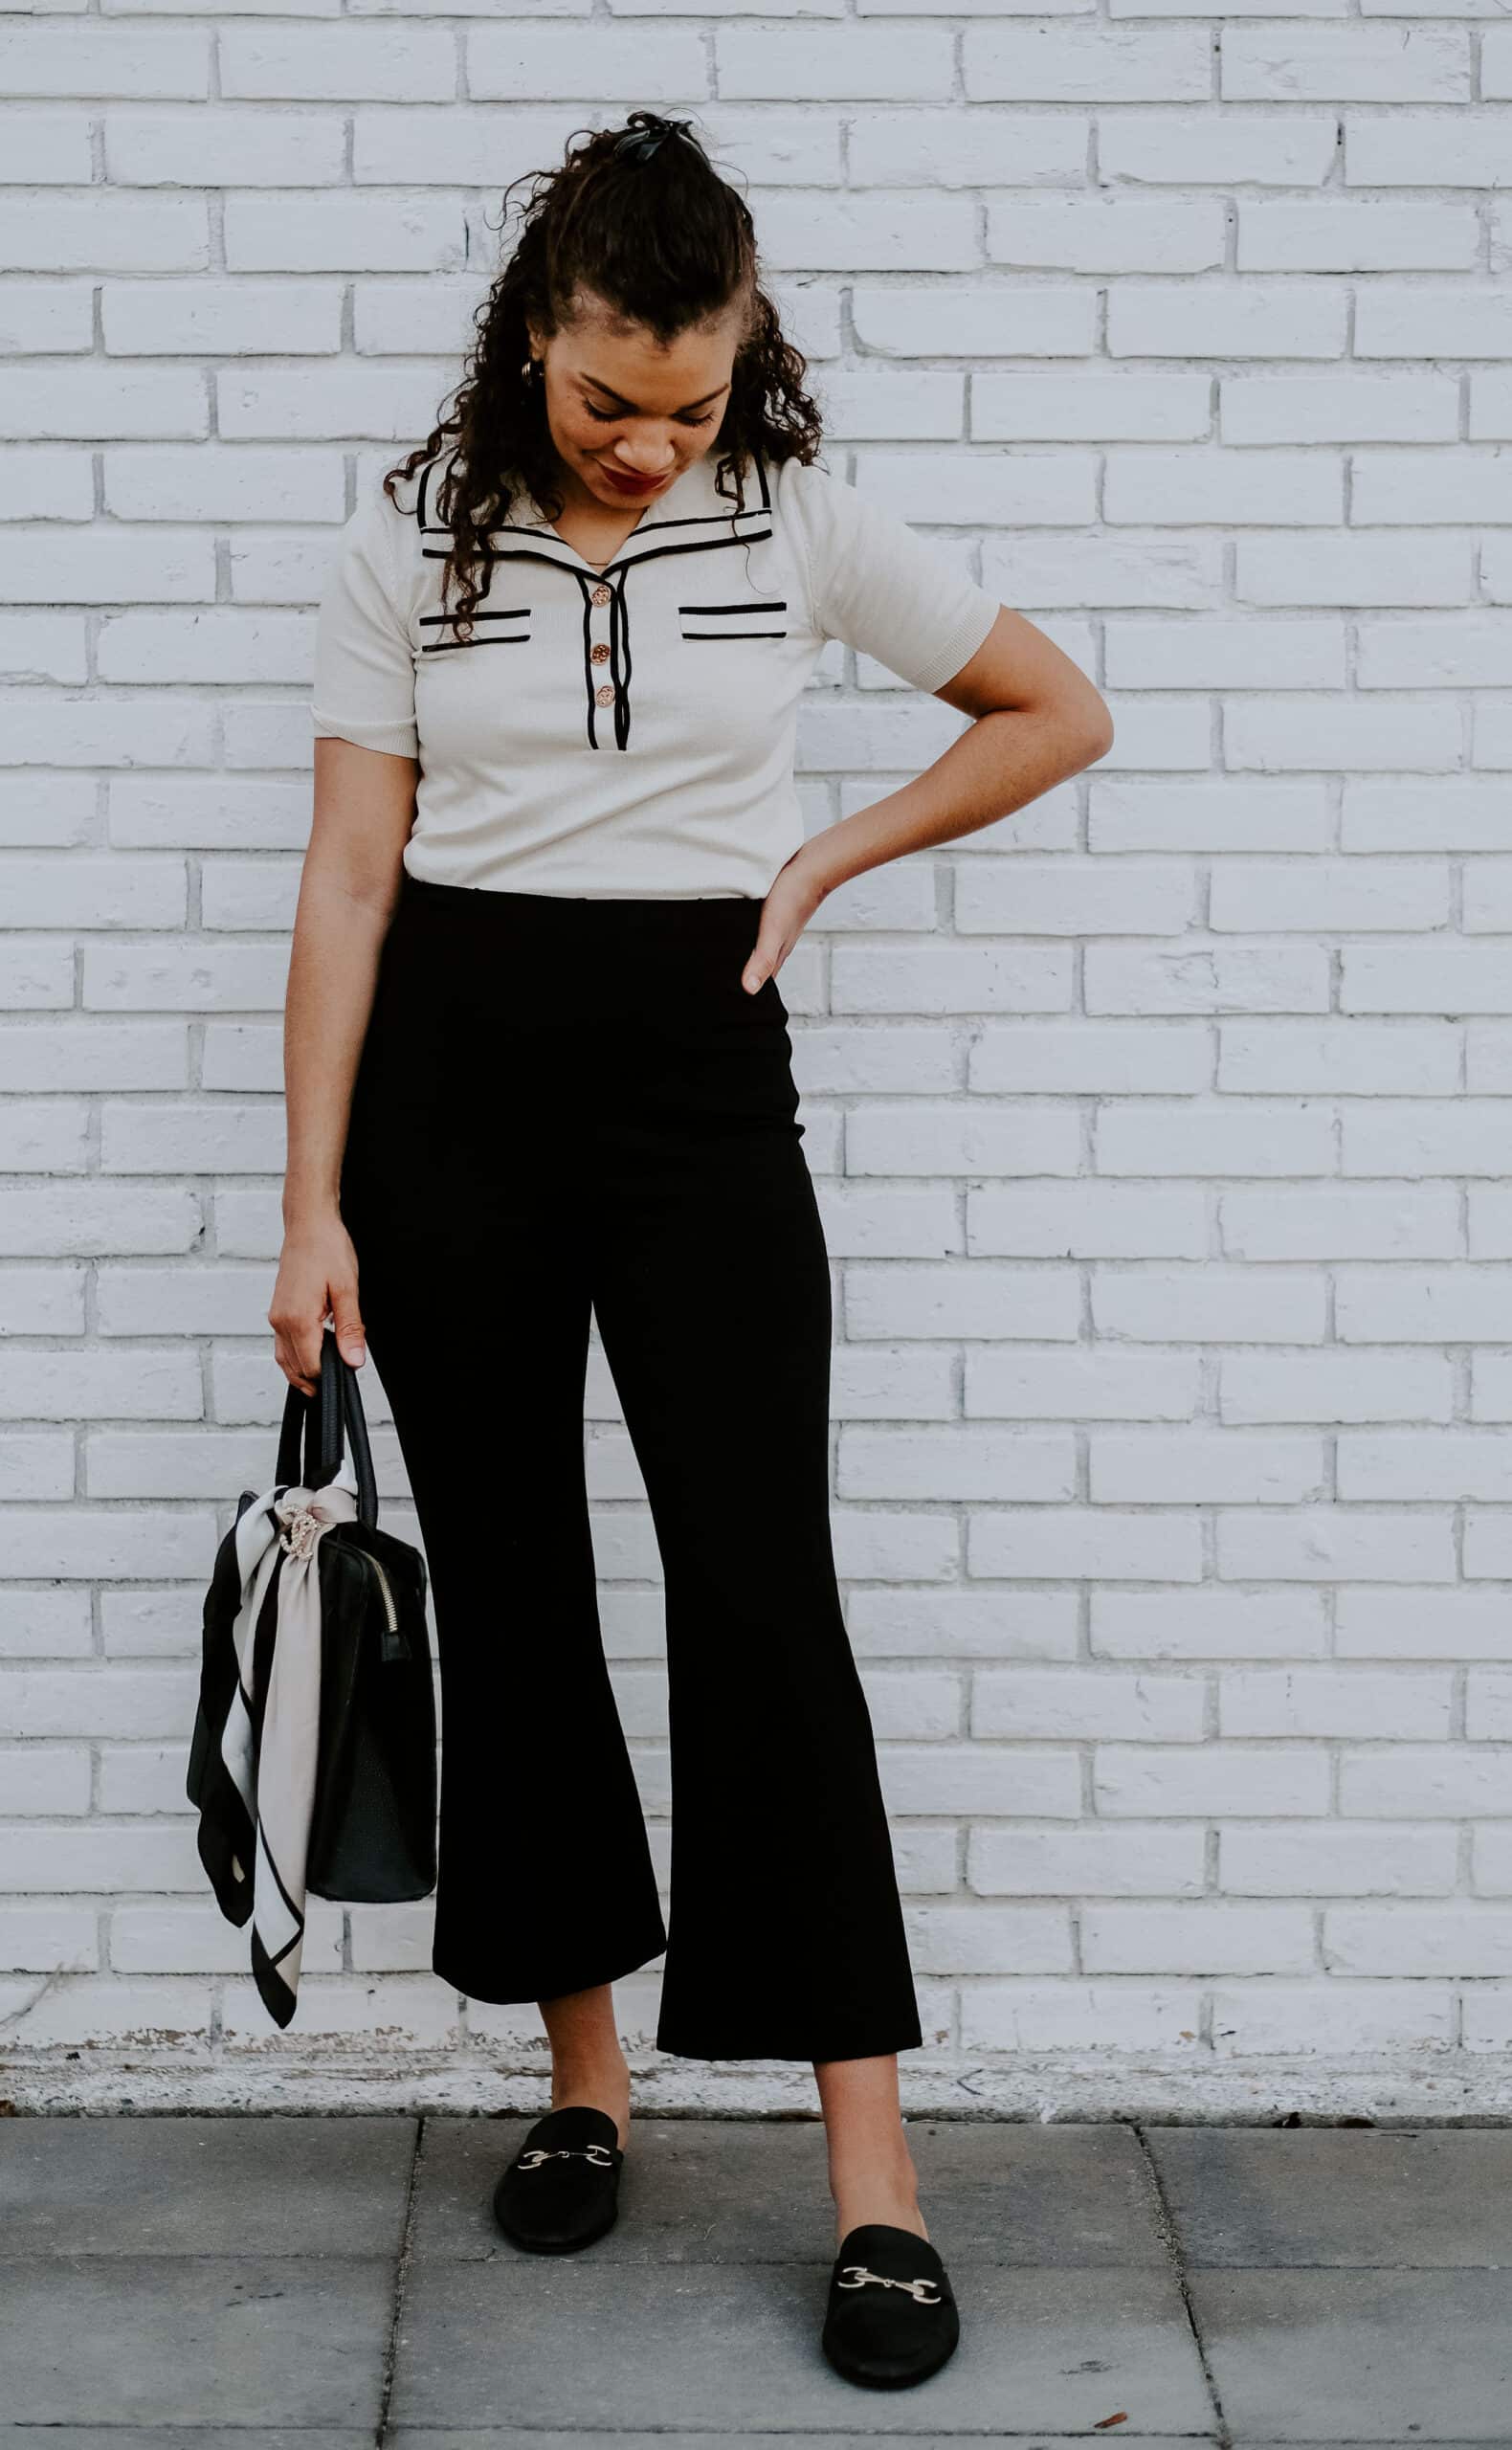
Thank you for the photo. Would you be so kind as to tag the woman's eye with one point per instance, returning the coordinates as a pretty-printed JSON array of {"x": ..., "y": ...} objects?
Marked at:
[{"x": 610, "y": 416}]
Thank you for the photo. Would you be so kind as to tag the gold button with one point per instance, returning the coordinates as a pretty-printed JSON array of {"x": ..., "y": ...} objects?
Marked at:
[
  {"x": 601, "y": 596},
  {"x": 601, "y": 654},
  {"x": 605, "y": 695}
]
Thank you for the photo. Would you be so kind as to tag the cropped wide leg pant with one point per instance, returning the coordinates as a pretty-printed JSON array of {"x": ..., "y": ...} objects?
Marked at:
[{"x": 566, "y": 1105}]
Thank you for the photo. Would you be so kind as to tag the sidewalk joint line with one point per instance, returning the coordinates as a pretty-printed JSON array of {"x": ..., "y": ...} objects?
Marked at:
[
  {"x": 401, "y": 2275},
  {"x": 1170, "y": 2237}
]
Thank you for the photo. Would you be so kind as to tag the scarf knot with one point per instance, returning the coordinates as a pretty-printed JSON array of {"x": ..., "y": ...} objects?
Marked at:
[{"x": 301, "y": 1519}]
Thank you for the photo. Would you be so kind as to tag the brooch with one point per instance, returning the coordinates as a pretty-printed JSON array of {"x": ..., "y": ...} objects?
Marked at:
[{"x": 300, "y": 1527}]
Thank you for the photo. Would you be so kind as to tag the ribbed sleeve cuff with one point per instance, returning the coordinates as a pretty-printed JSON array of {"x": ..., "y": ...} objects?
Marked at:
[
  {"x": 395, "y": 740},
  {"x": 960, "y": 643}
]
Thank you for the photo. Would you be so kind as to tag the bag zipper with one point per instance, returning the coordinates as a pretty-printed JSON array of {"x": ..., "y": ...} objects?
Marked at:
[
  {"x": 394, "y": 1644},
  {"x": 385, "y": 1587}
]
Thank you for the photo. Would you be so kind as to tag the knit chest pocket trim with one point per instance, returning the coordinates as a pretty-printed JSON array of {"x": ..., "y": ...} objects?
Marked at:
[
  {"x": 749, "y": 620},
  {"x": 502, "y": 625}
]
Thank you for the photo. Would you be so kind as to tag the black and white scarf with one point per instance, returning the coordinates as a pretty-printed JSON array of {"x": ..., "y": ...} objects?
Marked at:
[{"x": 253, "y": 1759}]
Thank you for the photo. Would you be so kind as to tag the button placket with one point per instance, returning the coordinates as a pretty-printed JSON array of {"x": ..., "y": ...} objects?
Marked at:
[
  {"x": 599, "y": 652},
  {"x": 601, "y": 649}
]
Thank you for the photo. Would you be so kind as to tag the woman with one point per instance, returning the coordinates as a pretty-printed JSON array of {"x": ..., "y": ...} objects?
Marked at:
[{"x": 537, "y": 1062}]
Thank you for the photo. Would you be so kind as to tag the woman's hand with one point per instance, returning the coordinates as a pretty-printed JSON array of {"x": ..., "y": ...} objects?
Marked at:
[
  {"x": 317, "y": 1275},
  {"x": 796, "y": 894}
]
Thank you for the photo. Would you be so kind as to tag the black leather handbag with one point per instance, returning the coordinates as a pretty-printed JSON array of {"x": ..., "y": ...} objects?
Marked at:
[
  {"x": 373, "y": 1807},
  {"x": 373, "y": 1830}
]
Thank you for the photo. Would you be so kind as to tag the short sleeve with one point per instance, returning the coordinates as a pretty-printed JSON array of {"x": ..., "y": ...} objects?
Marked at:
[
  {"x": 879, "y": 586},
  {"x": 363, "y": 687}
]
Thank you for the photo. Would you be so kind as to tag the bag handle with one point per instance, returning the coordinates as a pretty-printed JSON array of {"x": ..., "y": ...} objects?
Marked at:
[{"x": 319, "y": 1417}]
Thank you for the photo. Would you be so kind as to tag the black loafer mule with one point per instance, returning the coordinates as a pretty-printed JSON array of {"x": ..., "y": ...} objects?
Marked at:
[
  {"x": 891, "y": 2318},
  {"x": 561, "y": 2188}
]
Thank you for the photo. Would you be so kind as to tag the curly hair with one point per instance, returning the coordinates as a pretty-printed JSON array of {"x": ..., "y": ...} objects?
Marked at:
[{"x": 640, "y": 217}]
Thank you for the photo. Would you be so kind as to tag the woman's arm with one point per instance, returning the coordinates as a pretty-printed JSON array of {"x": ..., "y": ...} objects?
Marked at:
[
  {"x": 362, "y": 816},
  {"x": 1038, "y": 720}
]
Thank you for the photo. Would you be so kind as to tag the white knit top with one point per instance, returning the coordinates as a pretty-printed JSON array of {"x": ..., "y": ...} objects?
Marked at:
[{"x": 629, "y": 731}]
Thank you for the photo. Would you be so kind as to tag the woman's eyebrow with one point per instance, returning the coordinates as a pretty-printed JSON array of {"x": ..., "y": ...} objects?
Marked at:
[{"x": 612, "y": 393}]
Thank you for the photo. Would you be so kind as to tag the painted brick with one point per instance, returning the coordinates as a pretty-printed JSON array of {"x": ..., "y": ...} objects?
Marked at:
[{"x": 1159, "y": 1126}]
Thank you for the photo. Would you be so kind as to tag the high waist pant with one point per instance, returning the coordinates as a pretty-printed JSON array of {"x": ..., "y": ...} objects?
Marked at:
[{"x": 573, "y": 1103}]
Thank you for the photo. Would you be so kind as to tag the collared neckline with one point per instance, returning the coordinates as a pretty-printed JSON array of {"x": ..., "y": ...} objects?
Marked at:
[
  {"x": 692, "y": 516},
  {"x": 680, "y": 498}
]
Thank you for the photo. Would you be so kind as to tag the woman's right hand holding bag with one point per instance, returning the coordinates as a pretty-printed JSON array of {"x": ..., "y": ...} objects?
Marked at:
[{"x": 317, "y": 1280}]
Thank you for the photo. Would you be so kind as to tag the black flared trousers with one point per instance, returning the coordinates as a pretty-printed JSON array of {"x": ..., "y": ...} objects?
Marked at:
[{"x": 572, "y": 1104}]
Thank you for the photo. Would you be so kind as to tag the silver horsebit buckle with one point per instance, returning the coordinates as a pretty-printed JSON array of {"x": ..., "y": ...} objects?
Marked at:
[
  {"x": 916, "y": 2287},
  {"x": 597, "y": 2153}
]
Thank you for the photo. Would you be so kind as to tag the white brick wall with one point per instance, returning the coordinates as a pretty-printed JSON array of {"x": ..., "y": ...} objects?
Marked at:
[{"x": 1162, "y": 1130}]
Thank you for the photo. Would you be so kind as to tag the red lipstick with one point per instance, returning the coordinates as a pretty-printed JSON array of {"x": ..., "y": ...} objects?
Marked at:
[{"x": 633, "y": 485}]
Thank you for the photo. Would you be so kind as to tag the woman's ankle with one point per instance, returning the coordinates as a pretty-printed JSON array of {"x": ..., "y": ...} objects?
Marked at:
[
  {"x": 603, "y": 2086},
  {"x": 875, "y": 2182},
  {"x": 588, "y": 2066}
]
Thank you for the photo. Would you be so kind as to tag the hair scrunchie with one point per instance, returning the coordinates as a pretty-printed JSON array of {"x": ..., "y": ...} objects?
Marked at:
[{"x": 640, "y": 141}]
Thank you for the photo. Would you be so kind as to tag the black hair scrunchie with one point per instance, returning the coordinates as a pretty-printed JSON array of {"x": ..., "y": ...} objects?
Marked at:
[{"x": 640, "y": 141}]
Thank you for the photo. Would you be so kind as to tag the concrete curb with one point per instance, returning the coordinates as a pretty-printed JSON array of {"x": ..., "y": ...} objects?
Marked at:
[{"x": 324, "y": 2081}]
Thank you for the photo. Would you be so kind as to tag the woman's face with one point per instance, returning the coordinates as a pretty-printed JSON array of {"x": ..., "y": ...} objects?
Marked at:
[{"x": 628, "y": 415}]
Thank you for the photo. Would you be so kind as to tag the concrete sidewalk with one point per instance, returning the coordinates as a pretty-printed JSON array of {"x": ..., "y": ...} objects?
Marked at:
[{"x": 272, "y": 2282}]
